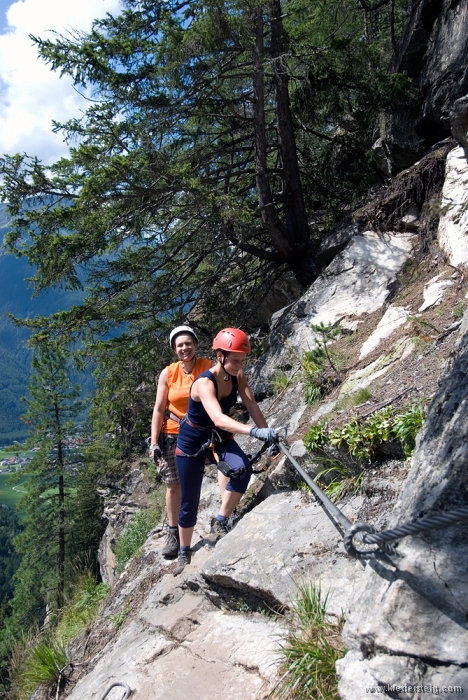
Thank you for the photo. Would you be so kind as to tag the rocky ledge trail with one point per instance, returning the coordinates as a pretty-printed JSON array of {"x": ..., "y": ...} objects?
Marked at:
[{"x": 216, "y": 630}]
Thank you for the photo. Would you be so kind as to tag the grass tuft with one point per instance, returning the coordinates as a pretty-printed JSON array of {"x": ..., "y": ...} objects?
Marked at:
[
  {"x": 311, "y": 649},
  {"x": 36, "y": 661},
  {"x": 40, "y": 659},
  {"x": 134, "y": 536},
  {"x": 81, "y": 608}
]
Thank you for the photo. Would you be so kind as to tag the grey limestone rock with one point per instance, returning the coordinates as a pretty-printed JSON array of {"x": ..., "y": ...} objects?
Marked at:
[
  {"x": 357, "y": 282},
  {"x": 433, "y": 52},
  {"x": 444, "y": 75},
  {"x": 416, "y": 610},
  {"x": 284, "y": 539},
  {"x": 459, "y": 122}
]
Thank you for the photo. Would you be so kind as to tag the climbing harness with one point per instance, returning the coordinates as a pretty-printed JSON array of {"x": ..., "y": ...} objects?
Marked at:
[
  {"x": 172, "y": 416},
  {"x": 215, "y": 436},
  {"x": 364, "y": 533},
  {"x": 128, "y": 690}
]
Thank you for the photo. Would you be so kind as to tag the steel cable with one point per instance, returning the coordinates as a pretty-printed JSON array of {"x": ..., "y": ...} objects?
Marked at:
[
  {"x": 432, "y": 522},
  {"x": 366, "y": 533}
]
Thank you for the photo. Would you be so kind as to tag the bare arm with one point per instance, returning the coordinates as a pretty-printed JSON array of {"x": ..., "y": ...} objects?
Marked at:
[
  {"x": 206, "y": 393},
  {"x": 250, "y": 403},
  {"x": 159, "y": 407}
]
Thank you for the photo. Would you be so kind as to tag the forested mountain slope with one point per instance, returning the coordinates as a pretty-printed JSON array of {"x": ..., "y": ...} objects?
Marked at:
[{"x": 16, "y": 298}]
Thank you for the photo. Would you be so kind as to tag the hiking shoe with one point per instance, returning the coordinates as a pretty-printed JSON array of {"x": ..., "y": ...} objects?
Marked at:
[
  {"x": 219, "y": 527},
  {"x": 171, "y": 548},
  {"x": 185, "y": 557}
]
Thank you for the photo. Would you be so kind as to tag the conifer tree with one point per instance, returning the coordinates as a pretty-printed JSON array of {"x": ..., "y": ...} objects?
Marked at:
[
  {"x": 50, "y": 488},
  {"x": 217, "y": 131},
  {"x": 223, "y": 140}
]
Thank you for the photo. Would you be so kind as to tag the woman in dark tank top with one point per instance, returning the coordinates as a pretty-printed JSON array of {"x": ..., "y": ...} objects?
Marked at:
[{"x": 213, "y": 394}]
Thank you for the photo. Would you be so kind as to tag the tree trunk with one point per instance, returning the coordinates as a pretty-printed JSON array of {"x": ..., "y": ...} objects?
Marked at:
[
  {"x": 297, "y": 227},
  {"x": 61, "y": 516},
  {"x": 291, "y": 238},
  {"x": 264, "y": 194}
]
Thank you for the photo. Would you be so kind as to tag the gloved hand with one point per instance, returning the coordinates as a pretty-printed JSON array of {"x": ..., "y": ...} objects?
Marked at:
[
  {"x": 155, "y": 453},
  {"x": 266, "y": 434}
]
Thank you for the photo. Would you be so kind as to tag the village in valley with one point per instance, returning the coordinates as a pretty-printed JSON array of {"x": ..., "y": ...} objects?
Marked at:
[{"x": 17, "y": 457}]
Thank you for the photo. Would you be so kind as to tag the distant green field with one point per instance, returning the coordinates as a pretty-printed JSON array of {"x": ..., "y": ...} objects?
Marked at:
[{"x": 7, "y": 494}]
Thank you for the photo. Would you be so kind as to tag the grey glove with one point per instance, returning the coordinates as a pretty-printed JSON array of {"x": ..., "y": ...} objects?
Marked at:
[
  {"x": 155, "y": 453},
  {"x": 266, "y": 434}
]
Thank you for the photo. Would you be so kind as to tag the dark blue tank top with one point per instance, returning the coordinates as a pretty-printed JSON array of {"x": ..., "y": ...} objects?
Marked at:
[{"x": 196, "y": 411}]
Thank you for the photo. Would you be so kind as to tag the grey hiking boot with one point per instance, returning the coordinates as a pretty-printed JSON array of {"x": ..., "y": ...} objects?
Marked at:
[
  {"x": 171, "y": 548},
  {"x": 219, "y": 527},
  {"x": 185, "y": 557}
]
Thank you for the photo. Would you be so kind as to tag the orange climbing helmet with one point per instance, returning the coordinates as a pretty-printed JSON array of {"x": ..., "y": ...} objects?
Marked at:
[{"x": 231, "y": 340}]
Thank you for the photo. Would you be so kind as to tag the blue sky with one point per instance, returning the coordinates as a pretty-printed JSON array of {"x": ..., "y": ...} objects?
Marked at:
[{"x": 31, "y": 96}]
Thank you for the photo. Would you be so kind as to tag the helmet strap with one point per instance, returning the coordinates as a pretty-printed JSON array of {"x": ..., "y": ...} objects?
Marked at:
[{"x": 227, "y": 376}]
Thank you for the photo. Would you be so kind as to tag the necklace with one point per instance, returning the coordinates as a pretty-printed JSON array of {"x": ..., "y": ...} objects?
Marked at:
[{"x": 188, "y": 371}]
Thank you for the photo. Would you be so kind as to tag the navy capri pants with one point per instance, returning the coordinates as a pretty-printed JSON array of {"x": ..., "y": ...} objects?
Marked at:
[{"x": 191, "y": 470}]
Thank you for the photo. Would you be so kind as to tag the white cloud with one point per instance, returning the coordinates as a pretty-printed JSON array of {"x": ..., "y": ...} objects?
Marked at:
[{"x": 31, "y": 95}]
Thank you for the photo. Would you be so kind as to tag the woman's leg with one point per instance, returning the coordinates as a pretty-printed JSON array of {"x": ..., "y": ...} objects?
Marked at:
[
  {"x": 168, "y": 471},
  {"x": 185, "y": 536},
  {"x": 173, "y": 503},
  {"x": 231, "y": 453},
  {"x": 223, "y": 481},
  {"x": 230, "y": 502},
  {"x": 191, "y": 470}
]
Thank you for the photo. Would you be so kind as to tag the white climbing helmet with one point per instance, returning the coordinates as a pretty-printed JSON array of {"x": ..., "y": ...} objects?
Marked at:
[{"x": 178, "y": 331}]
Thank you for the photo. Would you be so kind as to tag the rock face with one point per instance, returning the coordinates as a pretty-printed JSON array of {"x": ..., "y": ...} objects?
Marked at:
[
  {"x": 357, "y": 282},
  {"x": 453, "y": 223},
  {"x": 178, "y": 637},
  {"x": 181, "y": 645},
  {"x": 433, "y": 53},
  {"x": 434, "y": 292},
  {"x": 444, "y": 75},
  {"x": 390, "y": 632},
  {"x": 281, "y": 541},
  {"x": 202, "y": 633},
  {"x": 459, "y": 122},
  {"x": 124, "y": 496},
  {"x": 393, "y": 318}
]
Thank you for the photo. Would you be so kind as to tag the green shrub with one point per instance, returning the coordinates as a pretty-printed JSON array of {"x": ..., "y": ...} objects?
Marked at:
[
  {"x": 315, "y": 438},
  {"x": 314, "y": 363},
  {"x": 407, "y": 425},
  {"x": 321, "y": 354},
  {"x": 311, "y": 649},
  {"x": 362, "y": 438},
  {"x": 134, "y": 536},
  {"x": 279, "y": 380}
]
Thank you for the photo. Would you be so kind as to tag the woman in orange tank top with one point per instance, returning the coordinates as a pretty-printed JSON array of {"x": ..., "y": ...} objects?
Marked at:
[{"x": 170, "y": 407}]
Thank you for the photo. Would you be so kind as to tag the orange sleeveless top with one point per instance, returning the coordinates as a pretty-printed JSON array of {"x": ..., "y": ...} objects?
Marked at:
[{"x": 179, "y": 385}]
